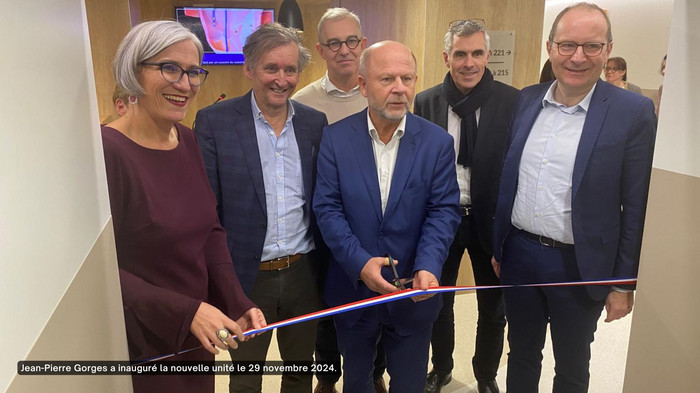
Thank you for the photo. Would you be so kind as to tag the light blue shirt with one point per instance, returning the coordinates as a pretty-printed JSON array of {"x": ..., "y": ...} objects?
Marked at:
[
  {"x": 287, "y": 224},
  {"x": 543, "y": 199}
]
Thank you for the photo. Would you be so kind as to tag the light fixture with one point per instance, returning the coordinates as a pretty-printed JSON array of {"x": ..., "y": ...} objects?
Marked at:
[{"x": 290, "y": 15}]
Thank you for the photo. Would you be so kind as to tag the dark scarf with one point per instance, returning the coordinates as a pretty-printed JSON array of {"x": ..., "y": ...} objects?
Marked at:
[{"x": 465, "y": 107}]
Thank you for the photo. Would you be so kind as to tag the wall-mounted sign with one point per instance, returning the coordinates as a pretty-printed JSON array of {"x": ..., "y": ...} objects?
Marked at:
[{"x": 502, "y": 52}]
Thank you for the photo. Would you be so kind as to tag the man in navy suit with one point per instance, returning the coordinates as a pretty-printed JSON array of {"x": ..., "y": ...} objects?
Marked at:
[
  {"x": 571, "y": 203},
  {"x": 476, "y": 110},
  {"x": 386, "y": 186},
  {"x": 260, "y": 154}
]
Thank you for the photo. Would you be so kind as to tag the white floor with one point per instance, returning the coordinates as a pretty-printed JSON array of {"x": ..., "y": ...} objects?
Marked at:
[{"x": 609, "y": 354}]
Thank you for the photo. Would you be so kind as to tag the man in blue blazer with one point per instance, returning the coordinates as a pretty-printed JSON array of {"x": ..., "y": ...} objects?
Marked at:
[
  {"x": 386, "y": 185},
  {"x": 260, "y": 155},
  {"x": 571, "y": 203}
]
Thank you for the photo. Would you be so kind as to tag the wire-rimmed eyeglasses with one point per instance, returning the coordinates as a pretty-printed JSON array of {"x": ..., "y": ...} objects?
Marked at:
[
  {"x": 567, "y": 48},
  {"x": 173, "y": 73},
  {"x": 350, "y": 42}
]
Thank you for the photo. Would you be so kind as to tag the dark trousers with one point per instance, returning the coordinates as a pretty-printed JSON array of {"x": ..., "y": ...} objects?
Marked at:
[
  {"x": 327, "y": 351},
  {"x": 571, "y": 313},
  {"x": 491, "y": 323},
  {"x": 406, "y": 353},
  {"x": 282, "y": 294}
]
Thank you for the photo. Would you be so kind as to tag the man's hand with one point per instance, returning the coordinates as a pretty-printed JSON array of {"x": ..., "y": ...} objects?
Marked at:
[
  {"x": 371, "y": 275},
  {"x": 618, "y": 304},
  {"x": 423, "y": 279},
  {"x": 496, "y": 267}
]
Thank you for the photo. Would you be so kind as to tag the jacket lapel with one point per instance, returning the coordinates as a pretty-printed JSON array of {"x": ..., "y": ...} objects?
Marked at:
[
  {"x": 244, "y": 127},
  {"x": 591, "y": 129},
  {"x": 404, "y": 163},
  {"x": 361, "y": 144}
]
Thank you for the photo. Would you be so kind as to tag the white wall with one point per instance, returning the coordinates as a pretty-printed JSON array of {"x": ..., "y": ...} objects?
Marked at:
[
  {"x": 640, "y": 34},
  {"x": 53, "y": 193}
]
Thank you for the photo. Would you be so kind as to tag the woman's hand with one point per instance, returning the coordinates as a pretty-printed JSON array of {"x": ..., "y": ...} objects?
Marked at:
[
  {"x": 208, "y": 321},
  {"x": 252, "y": 319}
]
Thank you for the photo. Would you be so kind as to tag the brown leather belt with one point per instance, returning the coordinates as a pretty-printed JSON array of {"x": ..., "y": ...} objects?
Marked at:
[{"x": 279, "y": 263}]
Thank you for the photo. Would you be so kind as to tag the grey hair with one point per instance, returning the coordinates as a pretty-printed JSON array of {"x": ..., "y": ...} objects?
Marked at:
[
  {"x": 270, "y": 36},
  {"x": 464, "y": 29},
  {"x": 144, "y": 41},
  {"x": 337, "y": 14},
  {"x": 366, "y": 56},
  {"x": 590, "y": 6}
]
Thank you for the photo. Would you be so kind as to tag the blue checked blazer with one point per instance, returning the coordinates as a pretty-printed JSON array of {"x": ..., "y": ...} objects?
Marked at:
[{"x": 226, "y": 135}]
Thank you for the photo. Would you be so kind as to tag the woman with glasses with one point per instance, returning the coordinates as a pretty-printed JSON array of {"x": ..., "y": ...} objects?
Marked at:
[
  {"x": 179, "y": 289},
  {"x": 616, "y": 74}
]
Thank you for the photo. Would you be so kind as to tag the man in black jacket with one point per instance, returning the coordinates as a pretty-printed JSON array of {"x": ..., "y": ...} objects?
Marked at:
[{"x": 476, "y": 111}]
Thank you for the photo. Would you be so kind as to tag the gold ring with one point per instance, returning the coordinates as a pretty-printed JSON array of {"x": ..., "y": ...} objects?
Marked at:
[{"x": 223, "y": 334}]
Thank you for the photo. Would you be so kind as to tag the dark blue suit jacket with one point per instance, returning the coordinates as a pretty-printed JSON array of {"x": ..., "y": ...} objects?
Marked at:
[
  {"x": 420, "y": 220},
  {"x": 226, "y": 134},
  {"x": 610, "y": 180}
]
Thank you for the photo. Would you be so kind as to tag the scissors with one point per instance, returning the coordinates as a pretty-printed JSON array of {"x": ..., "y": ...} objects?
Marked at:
[{"x": 397, "y": 281}]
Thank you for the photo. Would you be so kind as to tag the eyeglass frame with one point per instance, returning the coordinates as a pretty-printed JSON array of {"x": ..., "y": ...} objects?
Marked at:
[
  {"x": 200, "y": 71},
  {"x": 331, "y": 43},
  {"x": 397, "y": 281},
  {"x": 612, "y": 69},
  {"x": 583, "y": 46}
]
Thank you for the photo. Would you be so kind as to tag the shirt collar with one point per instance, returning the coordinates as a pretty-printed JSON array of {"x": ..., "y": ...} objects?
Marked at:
[
  {"x": 332, "y": 89},
  {"x": 398, "y": 133},
  {"x": 549, "y": 100},
  {"x": 258, "y": 115}
]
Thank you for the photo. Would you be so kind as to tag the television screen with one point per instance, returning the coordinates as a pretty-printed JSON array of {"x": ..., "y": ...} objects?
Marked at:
[{"x": 223, "y": 31}]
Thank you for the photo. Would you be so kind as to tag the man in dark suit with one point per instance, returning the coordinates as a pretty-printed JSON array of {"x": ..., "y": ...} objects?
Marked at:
[
  {"x": 571, "y": 203},
  {"x": 386, "y": 186},
  {"x": 260, "y": 155},
  {"x": 476, "y": 111}
]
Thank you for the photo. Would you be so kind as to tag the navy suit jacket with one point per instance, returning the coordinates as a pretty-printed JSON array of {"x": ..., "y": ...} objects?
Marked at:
[
  {"x": 610, "y": 180},
  {"x": 491, "y": 146},
  {"x": 417, "y": 227},
  {"x": 226, "y": 134}
]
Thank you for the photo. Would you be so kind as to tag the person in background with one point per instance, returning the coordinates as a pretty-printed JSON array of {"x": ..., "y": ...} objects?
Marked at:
[
  {"x": 179, "y": 289},
  {"x": 386, "y": 186},
  {"x": 475, "y": 110},
  {"x": 546, "y": 75},
  {"x": 571, "y": 203},
  {"x": 616, "y": 74},
  {"x": 260, "y": 155},
  {"x": 337, "y": 94}
]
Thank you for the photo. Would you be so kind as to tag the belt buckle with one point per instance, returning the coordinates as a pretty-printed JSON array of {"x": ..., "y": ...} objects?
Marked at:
[
  {"x": 544, "y": 242},
  {"x": 283, "y": 259}
]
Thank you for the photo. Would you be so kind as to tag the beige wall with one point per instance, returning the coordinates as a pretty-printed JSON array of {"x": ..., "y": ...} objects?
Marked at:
[{"x": 664, "y": 339}]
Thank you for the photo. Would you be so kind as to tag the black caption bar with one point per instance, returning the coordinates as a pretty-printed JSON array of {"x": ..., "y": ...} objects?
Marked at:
[{"x": 51, "y": 367}]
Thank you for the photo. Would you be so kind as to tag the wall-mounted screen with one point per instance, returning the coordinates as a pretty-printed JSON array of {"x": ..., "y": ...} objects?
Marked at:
[{"x": 223, "y": 31}]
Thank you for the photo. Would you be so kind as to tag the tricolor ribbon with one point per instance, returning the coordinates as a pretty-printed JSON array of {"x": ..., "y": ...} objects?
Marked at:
[{"x": 390, "y": 297}]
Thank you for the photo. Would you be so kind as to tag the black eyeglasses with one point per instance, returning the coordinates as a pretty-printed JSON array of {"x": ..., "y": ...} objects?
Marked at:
[
  {"x": 612, "y": 69},
  {"x": 591, "y": 49},
  {"x": 351, "y": 43},
  {"x": 173, "y": 73},
  {"x": 398, "y": 282}
]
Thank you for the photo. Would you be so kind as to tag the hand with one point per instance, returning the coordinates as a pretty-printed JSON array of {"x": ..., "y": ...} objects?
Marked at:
[
  {"x": 618, "y": 304},
  {"x": 371, "y": 275},
  {"x": 496, "y": 267},
  {"x": 252, "y": 319},
  {"x": 207, "y": 321},
  {"x": 423, "y": 279}
]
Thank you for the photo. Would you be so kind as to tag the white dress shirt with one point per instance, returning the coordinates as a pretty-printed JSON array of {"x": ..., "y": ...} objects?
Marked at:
[
  {"x": 333, "y": 90},
  {"x": 543, "y": 199},
  {"x": 464, "y": 174},
  {"x": 385, "y": 156}
]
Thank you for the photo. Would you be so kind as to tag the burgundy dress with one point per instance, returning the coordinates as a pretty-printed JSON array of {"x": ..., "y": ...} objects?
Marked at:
[{"x": 171, "y": 250}]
